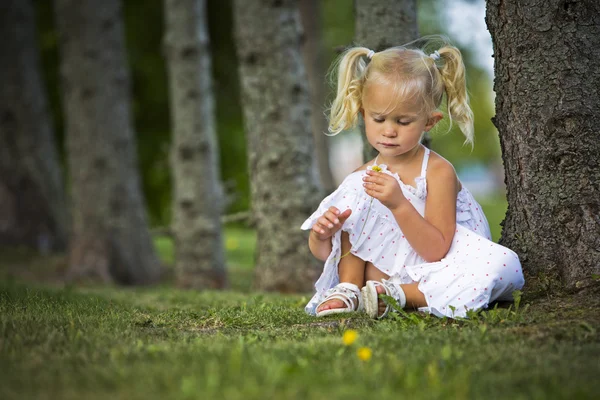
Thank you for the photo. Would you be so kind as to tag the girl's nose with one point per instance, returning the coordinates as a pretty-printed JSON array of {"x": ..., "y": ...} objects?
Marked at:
[{"x": 389, "y": 132}]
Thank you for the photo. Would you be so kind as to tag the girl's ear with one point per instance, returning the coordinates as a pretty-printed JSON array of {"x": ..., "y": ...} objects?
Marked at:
[{"x": 435, "y": 117}]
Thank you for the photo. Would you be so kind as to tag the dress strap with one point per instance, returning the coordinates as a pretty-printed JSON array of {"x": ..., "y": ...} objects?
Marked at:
[{"x": 425, "y": 160}]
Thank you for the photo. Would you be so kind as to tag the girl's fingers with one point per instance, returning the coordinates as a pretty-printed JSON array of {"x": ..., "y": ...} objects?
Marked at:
[
  {"x": 323, "y": 229},
  {"x": 344, "y": 216},
  {"x": 373, "y": 187},
  {"x": 372, "y": 193},
  {"x": 372, "y": 179},
  {"x": 317, "y": 228},
  {"x": 331, "y": 217},
  {"x": 325, "y": 222}
]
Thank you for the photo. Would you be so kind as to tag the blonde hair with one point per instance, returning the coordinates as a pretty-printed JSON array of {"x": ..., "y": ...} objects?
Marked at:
[{"x": 411, "y": 74}]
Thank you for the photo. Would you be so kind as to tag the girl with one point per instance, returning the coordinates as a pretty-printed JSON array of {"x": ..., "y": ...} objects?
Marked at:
[{"x": 403, "y": 224}]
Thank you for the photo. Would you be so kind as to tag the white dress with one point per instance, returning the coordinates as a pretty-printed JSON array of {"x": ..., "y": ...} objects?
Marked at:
[{"x": 474, "y": 272}]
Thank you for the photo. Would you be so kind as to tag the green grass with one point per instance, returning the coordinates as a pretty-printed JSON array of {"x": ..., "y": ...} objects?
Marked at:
[
  {"x": 161, "y": 343},
  {"x": 98, "y": 342}
]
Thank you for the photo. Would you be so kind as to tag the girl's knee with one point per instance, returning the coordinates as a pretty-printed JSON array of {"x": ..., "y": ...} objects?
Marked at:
[{"x": 504, "y": 266}]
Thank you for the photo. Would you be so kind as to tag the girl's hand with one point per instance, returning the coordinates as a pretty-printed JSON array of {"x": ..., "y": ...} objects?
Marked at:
[
  {"x": 384, "y": 188},
  {"x": 329, "y": 223}
]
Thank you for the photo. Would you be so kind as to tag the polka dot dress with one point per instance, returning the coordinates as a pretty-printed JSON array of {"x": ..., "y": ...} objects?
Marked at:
[{"x": 474, "y": 272}]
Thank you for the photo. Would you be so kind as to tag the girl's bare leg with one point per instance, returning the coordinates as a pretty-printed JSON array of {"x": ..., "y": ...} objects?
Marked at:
[
  {"x": 351, "y": 270},
  {"x": 414, "y": 297}
]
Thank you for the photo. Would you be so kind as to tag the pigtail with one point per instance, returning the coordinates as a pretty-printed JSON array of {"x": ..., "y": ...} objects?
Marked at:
[
  {"x": 345, "y": 107},
  {"x": 453, "y": 76}
]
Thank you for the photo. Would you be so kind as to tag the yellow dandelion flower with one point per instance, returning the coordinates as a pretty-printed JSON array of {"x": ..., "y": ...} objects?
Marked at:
[
  {"x": 364, "y": 353},
  {"x": 376, "y": 168},
  {"x": 349, "y": 337}
]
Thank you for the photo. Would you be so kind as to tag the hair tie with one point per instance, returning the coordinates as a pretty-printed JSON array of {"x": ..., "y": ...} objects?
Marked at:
[
  {"x": 435, "y": 55},
  {"x": 370, "y": 54}
]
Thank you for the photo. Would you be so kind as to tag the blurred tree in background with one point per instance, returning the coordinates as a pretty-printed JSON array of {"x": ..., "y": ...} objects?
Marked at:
[
  {"x": 314, "y": 51},
  {"x": 276, "y": 104},
  {"x": 33, "y": 209},
  {"x": 110, "y": 240},
  {"x": 197, "y": 196}
]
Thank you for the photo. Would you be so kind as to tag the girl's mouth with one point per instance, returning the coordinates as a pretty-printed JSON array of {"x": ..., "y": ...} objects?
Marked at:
[{"x": 388, "y": 145}]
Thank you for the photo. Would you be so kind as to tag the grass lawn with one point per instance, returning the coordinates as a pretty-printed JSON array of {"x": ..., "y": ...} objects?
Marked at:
[{"x": 162, "y": 343}]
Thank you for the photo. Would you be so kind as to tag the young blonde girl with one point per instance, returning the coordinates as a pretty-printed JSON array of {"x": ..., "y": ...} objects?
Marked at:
[{"x": 403, "y": 224}]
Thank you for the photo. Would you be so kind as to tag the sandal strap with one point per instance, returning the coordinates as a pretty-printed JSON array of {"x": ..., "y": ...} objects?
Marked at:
[
  {"x": 346, "y": 292},
  {"x": 393, "y": 290}
]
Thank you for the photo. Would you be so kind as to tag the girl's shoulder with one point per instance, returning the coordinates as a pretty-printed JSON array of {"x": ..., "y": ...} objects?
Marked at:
[
  {"x": 438, "y": 164},
  {"x": 440, "y": 170}
]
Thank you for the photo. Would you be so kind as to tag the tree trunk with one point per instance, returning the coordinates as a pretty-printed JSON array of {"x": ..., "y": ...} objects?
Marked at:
[
  {"x": 197, "y": 197},
  {"x": 380, "y": 25},
  {"x": 547, "y": 100},
  {"x": 280, "y": 144},
  {"x": 32, "y": 201},
  {"x": 110, "y": 238},
  {"x": 310, "y": 12}
]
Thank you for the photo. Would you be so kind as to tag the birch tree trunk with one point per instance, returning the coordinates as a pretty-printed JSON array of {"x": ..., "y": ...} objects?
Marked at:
[
  {"x": 547, "y": 100},
  {"x": 32, "y": 201},
  {"x": 382, "y": 24},
  {"x": 197, "y": 197},
  {"x": 310, "y": 13},
  {"x": 110, "y": 238},
  {"x": 276, "y": 108}
]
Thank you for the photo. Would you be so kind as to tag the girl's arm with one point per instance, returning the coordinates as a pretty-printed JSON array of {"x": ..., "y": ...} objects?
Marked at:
[
  {"x": 430, "y": 236},
  {"x": 320, "y": 248}
]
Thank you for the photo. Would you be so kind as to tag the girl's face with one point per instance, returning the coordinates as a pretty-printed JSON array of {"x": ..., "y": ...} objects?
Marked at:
[{"x": 394, "y": 133}]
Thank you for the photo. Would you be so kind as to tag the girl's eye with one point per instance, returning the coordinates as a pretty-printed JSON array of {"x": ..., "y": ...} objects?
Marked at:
[
  {"x": 403, "y": 122},
  {"x": 378, "y": 120}
]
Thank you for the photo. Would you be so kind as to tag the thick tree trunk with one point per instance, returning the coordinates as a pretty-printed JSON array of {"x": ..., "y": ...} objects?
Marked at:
[
  {"x": 32, "y": 201},
  {"x": 197, "y": 197},
  {"x": 310, "y": 12},
  {"x": 547, "y": 100},
  {"x": 382, "y": 24},
  {"x": 110, "y": 232},
  {"x": 277, "y": 119}
]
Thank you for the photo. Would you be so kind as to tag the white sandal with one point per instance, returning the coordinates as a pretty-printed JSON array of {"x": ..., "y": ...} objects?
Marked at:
[
  {"x": 346, "y": 292},
  {"x": 371, "y": 297}
]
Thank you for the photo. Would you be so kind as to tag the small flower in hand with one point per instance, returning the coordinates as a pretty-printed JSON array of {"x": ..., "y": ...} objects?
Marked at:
[{"x": 383, "y": 187}]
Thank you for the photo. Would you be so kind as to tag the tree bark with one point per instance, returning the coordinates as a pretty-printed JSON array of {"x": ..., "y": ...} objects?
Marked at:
[
  {"x": 110, "y": 238},
  {"x": 276, "y": 108},
  {"x": 197, "y": 197},
  {"x": 33, "y": 208},
  {"x": 547, "y": 100},
  {"x": 310, "y": 13},
  {"x": 380, "y": 25}
]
